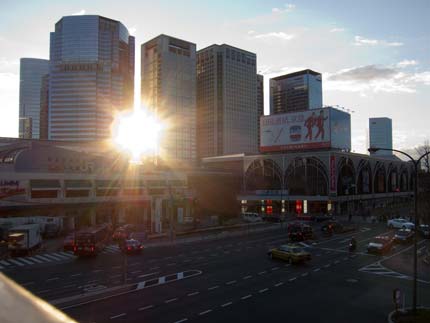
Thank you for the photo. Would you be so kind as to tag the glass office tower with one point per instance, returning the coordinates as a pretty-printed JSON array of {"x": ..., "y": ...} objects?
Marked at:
[
  {"x": 31, "y": 71},
  {"x": 297, "y": 91},
  {"x": 91, "y": 76}
]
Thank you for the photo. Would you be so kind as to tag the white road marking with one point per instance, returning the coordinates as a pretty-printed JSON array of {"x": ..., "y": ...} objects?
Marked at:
[
  {"x": 231, "y": 282},
  {"x": 183, "y": 320},
  {"x": 75, "y": 275},
  {"x": 336, "y": 261},
  {"x": 226, "y": 304},
  {"x": 205, "y": 312},
  {"x": 97, "y": 271},
  {"x": 287, "y": 265},
  {"x": 68, "y": 286},
  {"x": 145, "y": 308},
  {"x": 263, "y": 290},
  {"x": 213, "y": 287},
  {"x": 42, "y": 258},
  {"x": 153, "y": 268},
  {"x": 135, "y": 272},
  {"x": 43, "y": 291},
  {"x": 119, "y": 315},
  {"x": 15, "y": 262},
  {"x": 292, "y": 279},
  {"x": 146, "y": 275},
  {"x": 27, "y": 284},
  {"x": 262, "y": 272},
  {"x": 305, "y": 274},
  {"x": 275, "y": 268},
  {"x": 317, "y": 269},
  {"x": 279, "y": 284},
  {"x": 246, "y": 297},
  {"x": 26, "y": 261},
  {"x": 318, "y": 255},
  {"x": 326, "y": 266},
  {"x": 192, "y": 294},
  {"x": 171, "y": 300},
  {"x": 247, "y": 277},
  {"x": 345, "y": 258},
  {"x": 52, "y": 279}
]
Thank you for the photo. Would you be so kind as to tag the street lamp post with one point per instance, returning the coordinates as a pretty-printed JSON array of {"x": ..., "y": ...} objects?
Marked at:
[{"x": 416, "y": 163}]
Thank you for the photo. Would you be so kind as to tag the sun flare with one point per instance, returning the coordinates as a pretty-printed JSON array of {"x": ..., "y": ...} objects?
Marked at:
[{"x": 138, "y": 133}]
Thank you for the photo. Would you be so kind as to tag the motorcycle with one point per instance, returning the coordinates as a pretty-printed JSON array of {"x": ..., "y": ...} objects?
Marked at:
[{"x": 352, "y": 247}]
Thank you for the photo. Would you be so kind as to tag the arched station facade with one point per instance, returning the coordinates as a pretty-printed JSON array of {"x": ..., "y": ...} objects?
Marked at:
[{"x": 323, "y": 182}]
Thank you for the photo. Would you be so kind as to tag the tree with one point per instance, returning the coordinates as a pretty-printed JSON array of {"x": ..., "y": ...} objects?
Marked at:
[{"x": 421, "y": 150}]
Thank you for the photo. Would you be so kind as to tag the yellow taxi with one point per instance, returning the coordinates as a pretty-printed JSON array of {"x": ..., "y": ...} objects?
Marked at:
[{"x": 292, "y": 253}]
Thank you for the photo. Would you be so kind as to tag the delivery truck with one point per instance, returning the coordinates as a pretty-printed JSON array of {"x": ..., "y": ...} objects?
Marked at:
[{"x": 24, "y": 239}]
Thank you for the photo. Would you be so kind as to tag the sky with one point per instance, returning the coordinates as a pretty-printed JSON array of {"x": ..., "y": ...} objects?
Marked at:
[{"x": 374, "y": 55}]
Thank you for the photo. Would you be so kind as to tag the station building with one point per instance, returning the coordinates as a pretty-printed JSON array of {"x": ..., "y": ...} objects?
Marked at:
[{"x": 88, "y": 184}]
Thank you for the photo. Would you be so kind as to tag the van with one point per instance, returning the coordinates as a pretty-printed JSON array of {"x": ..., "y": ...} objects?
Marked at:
[{"x": 251, "y": 217}]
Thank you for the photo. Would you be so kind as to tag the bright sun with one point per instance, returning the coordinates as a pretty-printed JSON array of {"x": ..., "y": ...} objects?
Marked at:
[{"x": 137, "y": 133}]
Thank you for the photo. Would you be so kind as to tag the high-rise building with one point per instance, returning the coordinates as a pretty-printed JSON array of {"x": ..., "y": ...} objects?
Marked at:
[
  {"x": 297, "y": 91},
  {"x": 44, "y": 105},
  {"x": 260, "y": 102},
  {"x": 381, "y": 135},
  {"x": 168, "y": 88},
  {"x": 30, "y": 78},
  {"x": 91, "y": 76},
  {"x": 227, "y": 111}
]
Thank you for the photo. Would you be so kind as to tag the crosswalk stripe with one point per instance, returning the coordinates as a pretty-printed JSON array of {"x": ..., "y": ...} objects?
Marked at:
[
  {"x": 67, "y": 254},
  {"x": 16, "y": 262},
  {"x": 1, "y": 267},
  {"x": 28, "y": 262},
  {"x": 43, "y": 258},
  {"x": 35, "y": 260},
  {"x": 4, "y": 262},
  {"x": 57, "y": 254},
  {"x": 51, "y": 256}
]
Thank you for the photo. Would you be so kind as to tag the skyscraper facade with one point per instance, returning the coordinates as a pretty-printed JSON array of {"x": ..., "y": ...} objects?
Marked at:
[
  {"x": 260, "y": 102},
  {"x": 296, "y": 92},
  {"x": 91, "y": 76},
  {"x": 168, "y": 88},
  {"x": 381, "y": 135},
  {"x": 44, "y": 105},
  {"x": 30, "y": 79},
  {"x": 227, "y": 111}
]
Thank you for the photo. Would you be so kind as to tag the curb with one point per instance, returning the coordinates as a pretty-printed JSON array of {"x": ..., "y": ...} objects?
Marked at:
[{"x": 390, "y": 315}]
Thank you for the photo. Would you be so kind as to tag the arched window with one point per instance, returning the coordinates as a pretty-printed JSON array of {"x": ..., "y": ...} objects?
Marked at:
[
  {"x": 263, "y": 175},
  {"x": 306, "y": 176}
]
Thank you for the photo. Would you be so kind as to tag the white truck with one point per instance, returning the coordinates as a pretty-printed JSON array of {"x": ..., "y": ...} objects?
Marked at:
[
  {"x": 23, "y": 239},
  {"x": 49, "y": 226}
]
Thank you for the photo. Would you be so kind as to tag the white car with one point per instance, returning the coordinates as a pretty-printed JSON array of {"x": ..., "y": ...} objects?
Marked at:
[
  {"x": 400, "y": 224},
  {"x": 251, "y": 217}
]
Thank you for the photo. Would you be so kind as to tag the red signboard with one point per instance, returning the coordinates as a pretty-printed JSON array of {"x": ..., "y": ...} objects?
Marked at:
[{"x": 299, "y": 207}]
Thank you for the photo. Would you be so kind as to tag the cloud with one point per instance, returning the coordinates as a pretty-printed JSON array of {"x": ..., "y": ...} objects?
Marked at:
[
  {"x": 279, "y": 35},
  {"x": 374, "y": 78},
  {"x": 393, "y": 44},
  {"x": 361, "y": 41},
  {"x": 406, "y": 63},
  {"x": 4, "y": 63},
  {"x": 287, "y": 8},
  {"x": 335, "y": 30},
  {"x": 79, "y": 13}
]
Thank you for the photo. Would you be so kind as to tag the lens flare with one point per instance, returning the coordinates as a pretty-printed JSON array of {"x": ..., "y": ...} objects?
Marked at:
[{"x": 137, "y": 133}]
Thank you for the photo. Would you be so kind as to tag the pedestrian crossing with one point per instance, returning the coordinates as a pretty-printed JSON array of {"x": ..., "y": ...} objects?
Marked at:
[
  {"x": 378, "y": 269},
  {"x": 52, "y": 257},
  {"x": 36, "y": 259}
]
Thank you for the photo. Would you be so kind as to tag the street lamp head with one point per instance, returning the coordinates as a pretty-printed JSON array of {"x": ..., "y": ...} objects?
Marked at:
[{"x": 373, "y": 149}]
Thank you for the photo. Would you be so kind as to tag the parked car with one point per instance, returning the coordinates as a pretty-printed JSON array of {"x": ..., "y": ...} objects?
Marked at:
[
  {"x": 292, "y": 253},
  {"x": 139, "y": 236},
  {"x": 338, "y": 227},
  {"x": 424, "y": 230},
  {"x": 123, "y": 232},
  {"x": 400, "y": 223},
  {"x": 404, "y": 236},
  {"x": 380, "y": 244},
  {"x": 251, "y": 217},
  {"x": 130, "y": 246},
  {"x": 69, "y": 242},
  {"x": 300, "y": 232}
]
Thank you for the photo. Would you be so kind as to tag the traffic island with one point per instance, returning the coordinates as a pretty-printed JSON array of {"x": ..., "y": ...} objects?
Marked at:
[{"x": 407, "y": 316}]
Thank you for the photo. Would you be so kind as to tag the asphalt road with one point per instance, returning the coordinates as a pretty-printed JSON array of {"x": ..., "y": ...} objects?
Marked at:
[{"x": 235, "y": 281}]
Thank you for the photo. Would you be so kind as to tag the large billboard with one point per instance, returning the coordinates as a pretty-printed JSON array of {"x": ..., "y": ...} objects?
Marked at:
[{"x": 310, "y": 129}]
